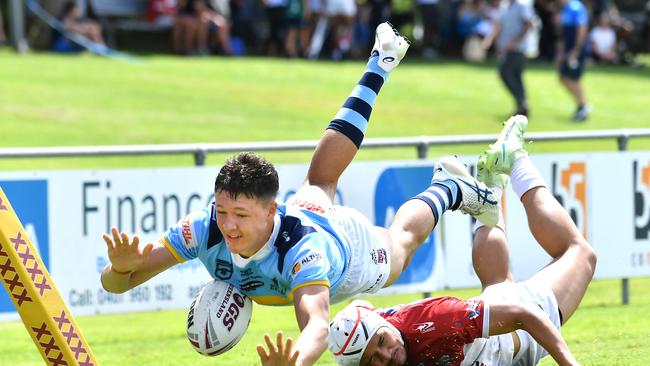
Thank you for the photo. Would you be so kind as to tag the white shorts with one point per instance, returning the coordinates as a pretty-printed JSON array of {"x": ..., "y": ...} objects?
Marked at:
[
  {"x": 498, "y": 350},
  {"x": 369, "y": 264},
  {"x": 340, "y": 7}
]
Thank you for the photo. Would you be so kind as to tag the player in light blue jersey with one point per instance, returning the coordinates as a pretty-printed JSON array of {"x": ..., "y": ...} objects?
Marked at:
[{"x": 307, "y": 252}]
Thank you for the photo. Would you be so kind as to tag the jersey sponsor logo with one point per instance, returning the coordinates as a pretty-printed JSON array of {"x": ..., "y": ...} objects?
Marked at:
[
  {"x": 223, "y": 271},
  {"x": 472, "y": 309},
  {"x": 251, "y": 285},
  {"x": 308, "y": 261},
  {"x": 276, "y": 286},
  {"x": 569, "y": 186},
  {"x": 641, "y": 189},
  {"x": 378, "y": 281},
  {"x": 187, "y": 233},
  {"x": 310, "y": 206},
  {"x": 379, "y": 256},
  {"x": 295, "y": 269},
  {"x": 424, "y": 327}
]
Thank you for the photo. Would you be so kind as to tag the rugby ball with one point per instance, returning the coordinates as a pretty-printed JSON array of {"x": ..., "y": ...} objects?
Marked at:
[{"x": 218, "y": 318}]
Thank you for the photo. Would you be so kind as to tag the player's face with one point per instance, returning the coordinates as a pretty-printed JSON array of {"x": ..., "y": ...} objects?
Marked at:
[
  {"x": 385, "y": 348},
  {"x": 246, "y": 223}
]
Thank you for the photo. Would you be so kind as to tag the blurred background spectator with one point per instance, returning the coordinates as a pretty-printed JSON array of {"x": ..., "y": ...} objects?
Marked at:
[
  {"x": 72, "y": 21},
  {"x": 571, "y": 58},
  {"x": 275, "y": 16},
  {"x": 341, "y": 14},
  {"x": 603, "y": 41},
  {"x": 3, "y": 37},
  {"x": 297, "y": 39},
  {"x": 510, "y": 30},
  {"x": 429, "y": 17}
]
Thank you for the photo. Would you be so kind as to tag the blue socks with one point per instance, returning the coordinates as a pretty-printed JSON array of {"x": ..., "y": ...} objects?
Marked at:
[
  {"x": 441, "y": 196},
  {"x": 352, "y": 119}
]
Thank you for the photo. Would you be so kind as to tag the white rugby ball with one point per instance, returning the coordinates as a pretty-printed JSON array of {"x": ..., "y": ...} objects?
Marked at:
[{"x": 218, "y": 318}]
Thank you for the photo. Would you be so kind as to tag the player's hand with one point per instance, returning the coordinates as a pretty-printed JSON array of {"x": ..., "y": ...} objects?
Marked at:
[
  {"x": 279, "y": 353},
  {"x": 124, "y": 254}
]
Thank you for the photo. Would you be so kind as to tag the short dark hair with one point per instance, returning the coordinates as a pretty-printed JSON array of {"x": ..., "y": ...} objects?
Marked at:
[{"x": 249, "y": 174}]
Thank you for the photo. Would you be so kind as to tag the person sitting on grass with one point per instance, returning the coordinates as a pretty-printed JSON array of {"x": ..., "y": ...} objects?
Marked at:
[{"x": 510, "y": 323}]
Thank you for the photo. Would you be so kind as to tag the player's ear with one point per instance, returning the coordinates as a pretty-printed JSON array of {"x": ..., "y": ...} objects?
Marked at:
[{"x": 273, "y": 206}]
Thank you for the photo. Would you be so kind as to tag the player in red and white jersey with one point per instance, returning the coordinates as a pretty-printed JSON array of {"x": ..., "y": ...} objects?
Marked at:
[{"x": 510, "y": 323}]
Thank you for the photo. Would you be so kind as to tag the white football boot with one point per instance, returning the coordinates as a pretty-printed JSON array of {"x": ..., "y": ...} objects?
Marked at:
[{"x": 390, "y": 46}]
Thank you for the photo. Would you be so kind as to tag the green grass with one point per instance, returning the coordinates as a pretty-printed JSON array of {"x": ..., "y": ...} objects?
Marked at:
[
  {"x": 48, "y": 100},
  {"x": 602, "y": 332}
]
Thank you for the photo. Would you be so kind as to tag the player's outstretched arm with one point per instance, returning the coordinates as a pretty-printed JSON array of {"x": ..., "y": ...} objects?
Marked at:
[
  {"x": 312, "y": 305},
  {"x": 129, "y": 265},
  {"x": 506, "y": 318}
]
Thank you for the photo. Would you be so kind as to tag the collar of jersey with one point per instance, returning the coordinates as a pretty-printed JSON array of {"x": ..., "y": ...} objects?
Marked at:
[{"x": 264, "y": 251}]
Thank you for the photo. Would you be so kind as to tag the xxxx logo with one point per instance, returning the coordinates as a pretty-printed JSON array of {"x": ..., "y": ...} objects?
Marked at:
[
  {"x": 641, "y": 189},
  {"x": 569, "y": 185}
]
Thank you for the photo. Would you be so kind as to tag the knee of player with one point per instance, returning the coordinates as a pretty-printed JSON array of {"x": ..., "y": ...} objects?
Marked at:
[{"x": 587, "y": 252}]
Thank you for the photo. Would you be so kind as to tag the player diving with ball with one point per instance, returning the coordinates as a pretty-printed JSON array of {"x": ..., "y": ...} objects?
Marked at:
[{"x": 306, "y": 252}]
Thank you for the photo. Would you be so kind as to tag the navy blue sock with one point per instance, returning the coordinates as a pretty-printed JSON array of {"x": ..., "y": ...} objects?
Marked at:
[
  {"x": 441, "y": 196},
  {"x": 352, "y": 119}
]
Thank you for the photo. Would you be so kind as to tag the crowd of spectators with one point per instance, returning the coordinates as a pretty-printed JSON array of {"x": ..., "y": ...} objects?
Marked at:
[
  {"x": 340, "y": 29},
  {"x": 439, "y": 27}
]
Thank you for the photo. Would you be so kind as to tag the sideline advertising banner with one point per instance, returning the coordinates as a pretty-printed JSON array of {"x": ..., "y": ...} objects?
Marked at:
[{"x": 66, "y": 213}]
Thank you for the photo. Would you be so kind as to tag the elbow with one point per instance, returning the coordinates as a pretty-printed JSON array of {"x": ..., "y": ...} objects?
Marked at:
[{"x": 108, "y": 287}]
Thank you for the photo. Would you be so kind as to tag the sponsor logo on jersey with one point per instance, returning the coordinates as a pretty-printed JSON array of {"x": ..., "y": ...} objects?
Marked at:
[
  {"x": 379, "y": 256},
  {"x": 310, "y": 206},
  {"x": 569, "y": 186},
  {"x": 276, "y": 286},
  {"x": 295, "y": 269},
  {"x": 187, "y": 232},
  {"x": 251, "y": 285},
  {"x": 424, "y": 327},
  {"x": 472, "y": 309},
  {"x": 641, "y": 189},
  {"x": 223, "y": 271},
  {"x": 308, "y": 261}
]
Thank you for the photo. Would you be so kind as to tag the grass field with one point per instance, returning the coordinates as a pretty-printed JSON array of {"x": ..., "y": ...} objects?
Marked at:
[
  {"x": 50, "y": 100},
  {"x": 602, "y": 332}
]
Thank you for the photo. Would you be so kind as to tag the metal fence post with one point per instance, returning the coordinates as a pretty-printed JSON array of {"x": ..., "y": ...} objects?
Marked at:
[
  {"x": 423, "y": 150},
  {"x": 200, "y": 156},
  {"x": 17, "y": 26},
  {"x": 623, "y": 141}
]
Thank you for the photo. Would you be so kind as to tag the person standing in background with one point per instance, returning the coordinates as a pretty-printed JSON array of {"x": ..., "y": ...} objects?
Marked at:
[
  {"x": 509, "y": 31},
  {"x": 430, "y": 27},
  {"x": 572, "y": 53}
]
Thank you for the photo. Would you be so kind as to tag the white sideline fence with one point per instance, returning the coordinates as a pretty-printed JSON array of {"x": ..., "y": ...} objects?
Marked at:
[{"x": 421, "y": 143}]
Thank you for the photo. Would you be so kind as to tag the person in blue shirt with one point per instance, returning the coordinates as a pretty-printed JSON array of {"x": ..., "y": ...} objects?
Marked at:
[
  {"x": 573, "y": 53},
  {"x": 307, "y": 251}
]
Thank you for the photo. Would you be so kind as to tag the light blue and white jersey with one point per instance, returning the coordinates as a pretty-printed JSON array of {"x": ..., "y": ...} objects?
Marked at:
[{"x": 304, "y": 249}]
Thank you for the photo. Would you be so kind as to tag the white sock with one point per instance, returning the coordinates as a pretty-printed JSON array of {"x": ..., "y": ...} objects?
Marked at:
[
  {"x": 525, "y": 176},
  {"x": 498, "y": 192}
]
